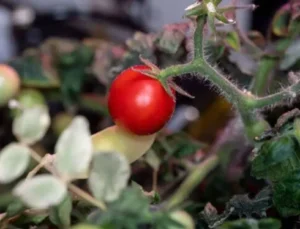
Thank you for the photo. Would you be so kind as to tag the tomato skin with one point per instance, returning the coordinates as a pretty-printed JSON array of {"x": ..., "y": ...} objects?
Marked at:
[{"x": 139, "y": 103}]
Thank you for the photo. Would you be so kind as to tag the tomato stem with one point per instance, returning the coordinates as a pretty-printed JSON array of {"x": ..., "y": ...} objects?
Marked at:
[{"x": 193, "y": 179}]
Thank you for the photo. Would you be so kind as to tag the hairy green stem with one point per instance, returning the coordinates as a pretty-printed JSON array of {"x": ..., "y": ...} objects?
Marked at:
[
  {"x": 286, "y": 94},
  {"x": 192, "y": 180},
  {"x": 198, "y": 38}
]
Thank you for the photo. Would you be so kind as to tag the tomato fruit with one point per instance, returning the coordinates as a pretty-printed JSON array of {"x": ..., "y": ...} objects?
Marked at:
[
  {"x": 139, "y": 103},
  {"x": 9, "y": 83},
  {"x": 118, "y": 140}
]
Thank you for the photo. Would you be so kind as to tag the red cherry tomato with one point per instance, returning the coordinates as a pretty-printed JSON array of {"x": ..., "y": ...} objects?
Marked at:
[{"x": 139, "y": 103}]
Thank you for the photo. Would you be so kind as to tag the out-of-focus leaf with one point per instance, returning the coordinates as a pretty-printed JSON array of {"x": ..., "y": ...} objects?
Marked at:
[
  {"x": 244, "y": 62},
  {"x": 74, "y": 150},
  {"x": 14, "y": 208},
  {"x": 60, "y": 215},
  {"x": 233, "y": 40},
  {"x": 153, "y": 160},
  {"x": 291, "y": 56},
  {"x": 286, "y": 195},
  {"x": 86, "y": 226},
  {"x": 109, "y": 175},
  {"x": 267, "y": 223},
  {"x": 171, "y": 38},
  {"x": 14, "y": 160},
  {"x": 41, "y": 191},
  {"x": 33, "y": 74},
  {"x": 32, "y": 124},
  {"x": 277, "y": 158}
]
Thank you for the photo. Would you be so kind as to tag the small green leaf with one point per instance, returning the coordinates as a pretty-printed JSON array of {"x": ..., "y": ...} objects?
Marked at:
[
  {"x": 61, "y": 215},
  {"x": 153, "y": 160},
  {"x": 277, "y": 158},
  {"x": 14, "y": 160},
  {"x": 233, "y": 40},
  {"x": 109, "y": 175},
  {"x": 31, "y": 126},
  {"x": 41, "y": 192},
  {"x": 291, "y": 56},
  {"x": 74, "y": 150},
  {"x": 15, "y": 207},
  {"x": 280, "y": 21}
]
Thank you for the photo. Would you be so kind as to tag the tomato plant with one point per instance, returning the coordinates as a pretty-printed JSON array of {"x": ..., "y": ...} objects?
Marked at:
[
  {"x": 138, "y": 102},
  {"x": 9, "y": 83}
]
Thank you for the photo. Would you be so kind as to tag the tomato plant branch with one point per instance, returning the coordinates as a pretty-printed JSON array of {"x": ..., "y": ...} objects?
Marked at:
[
  {"x": 274, "y": 99},
  {"x": 198, "y": 38},
  {"x": 192, "y": 180},
  {"x": 74, "y": 189}
]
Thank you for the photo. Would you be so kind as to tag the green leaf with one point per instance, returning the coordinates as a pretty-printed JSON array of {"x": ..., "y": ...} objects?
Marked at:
[
  {"x": 153, "y": 160},
  {"x": 170, "y": 40},
  {"x": 41, "y": 192},
  {"x": 14, "y": 208},
  {"x": 32, "y": 73},
  {"x": 74, "y": 150},
  {"x": 233, "y": 40},
  {"x": 61, "y": 215},
  {"x": 291, "y": 56},
  {"x": 109, "y": 175},
  {"x": 280, "y": 21},
  {"x": 268, "y": 223},
  {"x": 277, "y": 158},
  {"x": 286, "y": 195},
  {"x": 32, "y": 124},
  {"x": 14, "y": 160},
  {"x": 86, "y": 226}
]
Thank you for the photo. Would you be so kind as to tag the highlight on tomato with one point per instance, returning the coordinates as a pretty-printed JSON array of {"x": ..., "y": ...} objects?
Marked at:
[
  {"x": 139, "y": 103},
  {"x": 9, "y": 83}
]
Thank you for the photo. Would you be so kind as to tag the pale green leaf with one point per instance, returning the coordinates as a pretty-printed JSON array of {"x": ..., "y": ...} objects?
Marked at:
[
  {"x": 14, "y": 160},
  {"x": 32, "y": 124},
  {"x": 109, "y": 175},
  {"x": 85, "y": 226},
  {"x": 41, "y": 192},
  {"x": 74, "y": 150},
  {"x": 61, "y": 215}
]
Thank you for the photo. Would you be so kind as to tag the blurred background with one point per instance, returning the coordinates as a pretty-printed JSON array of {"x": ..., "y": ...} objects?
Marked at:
[{"x": 28, "y": 23}]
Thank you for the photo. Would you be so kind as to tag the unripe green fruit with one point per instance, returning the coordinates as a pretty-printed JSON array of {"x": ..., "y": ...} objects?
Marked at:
[
  {"x": 9, "y": 83},
  {"x": 184, "y": 219}
]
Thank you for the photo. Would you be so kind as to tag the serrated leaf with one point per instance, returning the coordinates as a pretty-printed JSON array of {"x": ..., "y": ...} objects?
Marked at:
[
  {"x": 109, "y": 175},
  {"x": 277, "y": 158},
  {"x": 32, "y": 124},
  {"x": 14, "y": 160},
  {"x": 74, "y": 150},
  {"x": 61, "y": 215},
  {"x": 286, "y": 195},
  {"x": 233, "y": 40},
  {"x": 41, "y": 191}
]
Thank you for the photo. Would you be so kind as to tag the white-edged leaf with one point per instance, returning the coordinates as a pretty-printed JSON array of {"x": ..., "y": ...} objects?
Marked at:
[
  {"x": 41, "y": 192},
  {"x": 32, "y": 124},
  {"x": 74, "y": 150},
  {"x": 109, "y": 175},
  {"x": 14, "y": 160}
]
